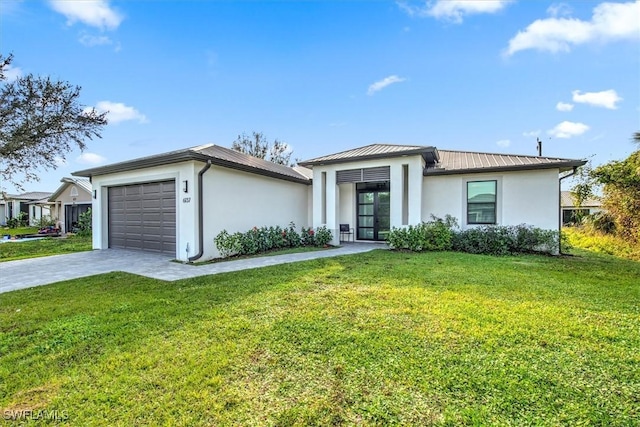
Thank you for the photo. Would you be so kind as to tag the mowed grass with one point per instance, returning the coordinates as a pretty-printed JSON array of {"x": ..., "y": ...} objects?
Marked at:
[
  {"x": 18, "y": 230},
  {"x": 10, "y": 251},
  {"x": 382, "y": 338}
]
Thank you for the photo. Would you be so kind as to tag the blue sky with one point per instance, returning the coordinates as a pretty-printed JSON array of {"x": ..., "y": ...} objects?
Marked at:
[{"x": 487, "y": 76}]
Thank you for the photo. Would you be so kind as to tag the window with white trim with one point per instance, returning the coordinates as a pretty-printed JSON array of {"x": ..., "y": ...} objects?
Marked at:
[{"x": 482, "y": 202}]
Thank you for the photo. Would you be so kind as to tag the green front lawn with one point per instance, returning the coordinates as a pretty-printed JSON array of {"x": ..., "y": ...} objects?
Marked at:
[
  {"x": 19, "y": 230},
  {"x": 380, "y": 338},
  {"x": 10, "y": 251}
]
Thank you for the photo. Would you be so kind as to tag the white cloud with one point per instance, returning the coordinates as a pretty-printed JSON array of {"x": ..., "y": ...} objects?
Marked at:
[
  {"x": 559, "y": 9},
  {"x": 454, "y": 10},
  {"x": 90, "y": 159},
  {"x": 503, "y": 143},
  {"x": 563, "y": 106},
  {"x": 12, "y": 73},
  {"x": 606, "y": 98},
  {"x": 95, "y": 13},
  {"x": 381, "y": 84},
  {"x": 531, "y": 134},
  {"x": 568, "y": 129},
  {"x": 610, "y": 21},
  {"x": 90, "y": 40},
  {"x": 118, "y": 112}
]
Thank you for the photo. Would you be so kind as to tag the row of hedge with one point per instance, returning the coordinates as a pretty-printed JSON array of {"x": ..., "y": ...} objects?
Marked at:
[
  {"x": 263, "y": 239},
  {"x": 444, "y": 235}
]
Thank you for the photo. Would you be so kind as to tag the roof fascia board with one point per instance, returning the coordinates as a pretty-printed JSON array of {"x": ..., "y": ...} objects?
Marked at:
[
  {"x": 141, "y": 163},
  {"x": 186, "y": 156},
  {"x": 367, "y": 157},
  {"x": 515, "y": 168}
]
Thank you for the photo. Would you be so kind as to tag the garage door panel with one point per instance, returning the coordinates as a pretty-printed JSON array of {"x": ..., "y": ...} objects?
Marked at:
[
  {"x": 169, "y": 204},
  {"x": 142, "y": 216},
  {"x": 151, "y": 204}
]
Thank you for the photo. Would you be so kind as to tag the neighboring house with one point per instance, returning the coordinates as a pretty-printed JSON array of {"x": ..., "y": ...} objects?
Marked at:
[
  {"x": 33, "y": 204},
  {"x": 3, "y": 211},
  {"x": 70, "y": 200},
  {"x": 571, "y": 213},
  {"x": 178, "y": 202}
]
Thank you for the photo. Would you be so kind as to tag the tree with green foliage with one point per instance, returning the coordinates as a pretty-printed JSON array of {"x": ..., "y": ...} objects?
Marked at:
[
  {"x": 257, "y": 145},
  {"x": 41, "y": 120},
  {"x": 584, "y": 189},
  {"x": 621, "y": 193}
]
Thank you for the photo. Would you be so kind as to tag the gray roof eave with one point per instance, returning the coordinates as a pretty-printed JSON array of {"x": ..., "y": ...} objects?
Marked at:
[
  {"x": 146, "y": 162},
  {"x": 182, "y": 157},
  {"x": 367, "y": 157},
  {"x": 563, "y": 166},
  {"x": 258, "y": 171}
]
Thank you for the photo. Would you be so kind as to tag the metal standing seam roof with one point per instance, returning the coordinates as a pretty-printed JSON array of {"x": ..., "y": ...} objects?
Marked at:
[
  {"x": 453, "y": 162},
  {"x": 249, "y": 163},
  {"x": 215, "y": 154},
  {"x": 373, "y": 151},
  {"x": 566, "y": 200},
  {"x": 29, "y": 196}
]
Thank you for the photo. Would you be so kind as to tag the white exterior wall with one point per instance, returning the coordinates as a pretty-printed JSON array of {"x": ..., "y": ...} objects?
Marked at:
[
  {"x": 3, "y": 214},
  {"x": 35, "y": 215},
  {"x": 186, "y": 203},
  {"x": 527, "y": 197},
  {"x": 341, "y": 199},
  {"x": 347, "y": 205},
  {"x": 238, "y": 201}
]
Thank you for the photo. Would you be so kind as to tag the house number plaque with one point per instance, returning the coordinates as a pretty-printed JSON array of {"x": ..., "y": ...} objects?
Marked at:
[{"x": 186, "y": 200}]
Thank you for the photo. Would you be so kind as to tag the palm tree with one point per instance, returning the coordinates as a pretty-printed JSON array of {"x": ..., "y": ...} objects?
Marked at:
[{"x": 636, "y": 137}]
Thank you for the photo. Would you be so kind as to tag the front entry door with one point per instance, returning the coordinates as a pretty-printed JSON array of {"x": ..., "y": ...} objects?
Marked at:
[{"x": 374, "y": 209}]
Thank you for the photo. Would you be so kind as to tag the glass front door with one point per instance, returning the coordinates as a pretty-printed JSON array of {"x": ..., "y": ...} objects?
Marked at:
[{"x": 374, "y": 209}]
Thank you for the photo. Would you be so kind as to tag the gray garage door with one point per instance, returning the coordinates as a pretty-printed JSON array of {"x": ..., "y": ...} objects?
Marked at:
[{"x": 143, "y": 216}]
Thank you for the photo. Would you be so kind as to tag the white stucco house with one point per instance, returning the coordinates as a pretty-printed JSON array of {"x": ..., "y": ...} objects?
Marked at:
[
  {"x": 33, "y": 205},
  {"x": 177, "y": 202},
  {"x": 70, "y": 200}
]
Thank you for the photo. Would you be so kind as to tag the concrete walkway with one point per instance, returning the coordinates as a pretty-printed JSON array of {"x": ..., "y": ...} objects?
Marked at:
[{"x": 32, "y": 272}]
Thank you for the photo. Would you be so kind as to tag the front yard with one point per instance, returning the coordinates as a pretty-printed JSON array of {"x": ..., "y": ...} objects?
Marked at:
[
  {"x": 10, "y": 251},
  {"x": 380, "y": 338}
]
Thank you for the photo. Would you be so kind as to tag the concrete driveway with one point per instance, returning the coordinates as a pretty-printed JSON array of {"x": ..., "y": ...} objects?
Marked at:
[{"x": 32, "y": 272}]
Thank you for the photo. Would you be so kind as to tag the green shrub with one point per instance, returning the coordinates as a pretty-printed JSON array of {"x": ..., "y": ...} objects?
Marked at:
[
  {"x": 292, "y": 237},
  {"x": 13, "y": 223},
  {"x": 22, "y": 220},
  {"x": 435, "y": 235},
  {"x": 263, "y": 239},
  {"x": 323, "y": 236},
  {"x": 307, "y": 236},
  {"x": 600, "y": 222},
  {"x": 85, "y": 223},
  {"x": 443, "y": 235},
  {"x": 505, "y": 240},
  {"x": 45, "y": 221}
]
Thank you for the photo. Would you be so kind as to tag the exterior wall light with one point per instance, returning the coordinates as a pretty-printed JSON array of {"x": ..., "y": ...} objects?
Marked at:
[
  {"x": 185, "y": 186},
  {"x": 95, "y": 194}
]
